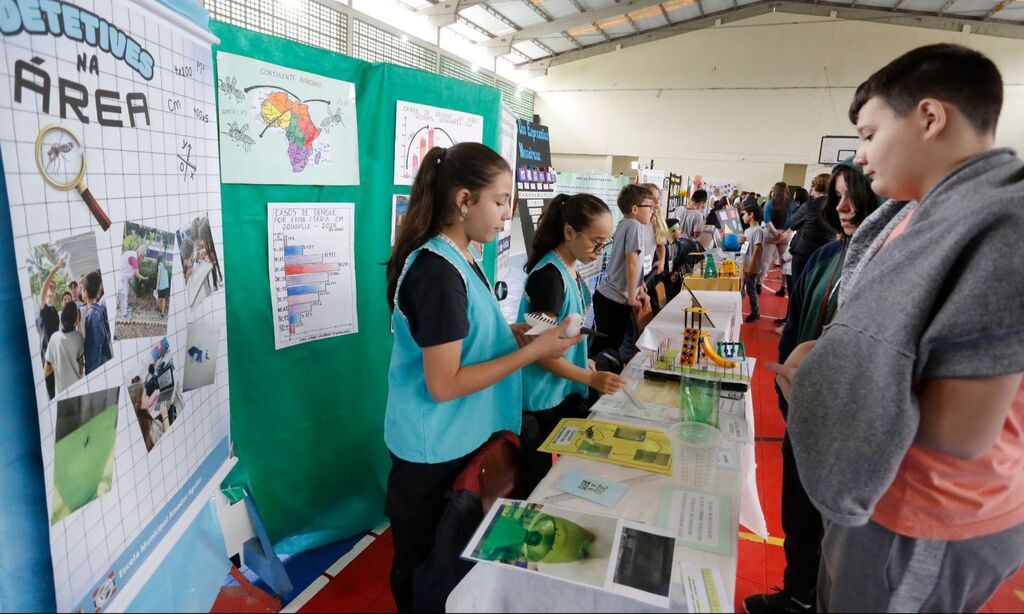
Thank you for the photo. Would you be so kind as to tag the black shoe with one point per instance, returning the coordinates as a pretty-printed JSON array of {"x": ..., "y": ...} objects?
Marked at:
[
  {"x": 754, "y": 317},
  {"x": 775, "y": 602},
  {"x": 781, "y": 291},
  {"x": 780, "y": 320}
]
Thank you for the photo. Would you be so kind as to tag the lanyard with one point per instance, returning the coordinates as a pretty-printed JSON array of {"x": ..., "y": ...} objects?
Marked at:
[
  {"x": 576, "y": 277},
  {"x": 472, "y": 262},
  {"x": 833, "y": 285}
]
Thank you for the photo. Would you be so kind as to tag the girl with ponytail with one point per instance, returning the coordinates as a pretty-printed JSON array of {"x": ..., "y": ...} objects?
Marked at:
[
  {"x": 454, "y": 378},
  {"x": 572, "y": 228}
]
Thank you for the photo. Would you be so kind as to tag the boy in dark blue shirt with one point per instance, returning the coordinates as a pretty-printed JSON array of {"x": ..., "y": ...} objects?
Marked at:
[{"x": 97, "y": 327}]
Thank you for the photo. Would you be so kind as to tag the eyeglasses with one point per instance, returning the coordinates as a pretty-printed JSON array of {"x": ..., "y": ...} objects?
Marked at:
[{"x": 599, "y": 245}]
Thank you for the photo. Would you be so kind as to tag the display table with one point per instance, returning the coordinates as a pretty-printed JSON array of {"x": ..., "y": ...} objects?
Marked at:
[
  {"x": 493, "y": 588},
  {"x": 723, "y": 320},
  {"x": 719, "y": 284}
]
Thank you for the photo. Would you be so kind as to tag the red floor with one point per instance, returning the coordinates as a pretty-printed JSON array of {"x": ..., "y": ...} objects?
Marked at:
[{"x": 362, "y": 586}]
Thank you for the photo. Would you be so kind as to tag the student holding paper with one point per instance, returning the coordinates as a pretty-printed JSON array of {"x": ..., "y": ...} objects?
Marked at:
[
  {"x": 572, "y": 228},
  {"x": 454, "y": 378}
]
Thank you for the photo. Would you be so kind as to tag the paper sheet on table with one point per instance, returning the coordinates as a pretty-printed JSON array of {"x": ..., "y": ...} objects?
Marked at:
[
  {"x": 727, "y": 457},
  {"x": 592, "y": 487},
  {"x": 629, "y": 445},
  {"x": 751, "y": 514},
  {"x": 735, "y": 428},
  {"x": 704, "y": 590},
  {"x": 619, "y": 404},
  {"x": 701, "y": 519}
]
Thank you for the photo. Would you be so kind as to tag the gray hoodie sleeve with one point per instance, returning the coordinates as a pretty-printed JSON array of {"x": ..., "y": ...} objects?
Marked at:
[{"x": 835, "y": 426}]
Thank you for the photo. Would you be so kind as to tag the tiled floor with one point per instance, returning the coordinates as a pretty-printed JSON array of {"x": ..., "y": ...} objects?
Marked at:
[{"x": 362, "y": 584}]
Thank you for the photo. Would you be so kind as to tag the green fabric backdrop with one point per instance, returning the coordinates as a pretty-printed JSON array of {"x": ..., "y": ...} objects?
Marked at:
[{"x": 308, "y": 421}]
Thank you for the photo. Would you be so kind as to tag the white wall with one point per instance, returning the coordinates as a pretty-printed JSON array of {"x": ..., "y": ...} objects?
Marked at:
[
  {"x": 581, "y": 163},
  {"x": 741, "y": 100}
]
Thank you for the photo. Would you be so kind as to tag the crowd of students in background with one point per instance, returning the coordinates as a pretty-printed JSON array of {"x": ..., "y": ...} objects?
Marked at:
[{"x": 900, "y": 362}]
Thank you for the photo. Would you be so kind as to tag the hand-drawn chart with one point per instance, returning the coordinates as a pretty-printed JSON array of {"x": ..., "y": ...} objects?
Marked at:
[
  {"x": 280, "y": 125},
  {"x": 312, "y": 271},
  {"x": 419, "y": 128}
]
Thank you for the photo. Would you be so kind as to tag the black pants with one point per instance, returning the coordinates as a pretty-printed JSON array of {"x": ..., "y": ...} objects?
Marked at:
[
  {"x": 651, "y": 280},
  {"x": 416, "y": 498},
  {"x": 804, "y": 530},
  {"x": 613, "y": 319},
  {"x": 796, "y": 267},
  {"x": 537, "y": 426}
]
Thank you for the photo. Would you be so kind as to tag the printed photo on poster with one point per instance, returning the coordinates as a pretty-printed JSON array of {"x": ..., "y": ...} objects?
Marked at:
[
  {"x": 399, "y": 206},
  {"x": 83, "y": 455},
  {"x": 419, "y": 128},
  {"x": 154, "y": 394},
  {"x": 199, "y": 261},
  {"x": 143, "y": 281},
  {"x": 70, "y": 314},
  {"x": 285, "y": 126},
  {"x": 201, "y": 348}
]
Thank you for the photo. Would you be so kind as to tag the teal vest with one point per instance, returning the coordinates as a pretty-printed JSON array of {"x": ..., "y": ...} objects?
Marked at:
[
  {"x": 416, "y": 427},
  {"x": 543, "y": 389}
]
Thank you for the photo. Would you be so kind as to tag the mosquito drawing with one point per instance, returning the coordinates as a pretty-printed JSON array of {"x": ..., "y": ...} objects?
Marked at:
[
  {"x": 55, "y": 155},
  {"x": 239, "y": 136},
  {"x": 229, "y": 87},
  {"x": 334, "y": 118}
]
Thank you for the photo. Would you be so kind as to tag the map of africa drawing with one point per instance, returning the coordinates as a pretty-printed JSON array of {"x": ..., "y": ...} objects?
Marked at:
[{"x": 280, "y": 125}]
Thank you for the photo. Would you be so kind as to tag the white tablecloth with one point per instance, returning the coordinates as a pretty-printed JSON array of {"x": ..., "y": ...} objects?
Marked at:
[{"x": 493, "y": 588}]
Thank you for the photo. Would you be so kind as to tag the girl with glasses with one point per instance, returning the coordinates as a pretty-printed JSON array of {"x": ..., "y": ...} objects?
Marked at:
[{"x": 573, "y": 228}]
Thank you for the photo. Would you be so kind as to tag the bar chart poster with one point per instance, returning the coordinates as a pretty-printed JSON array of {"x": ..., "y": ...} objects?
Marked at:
[
  {"x": 312, "y": 271},
  {"x": 419, "y": 128}
]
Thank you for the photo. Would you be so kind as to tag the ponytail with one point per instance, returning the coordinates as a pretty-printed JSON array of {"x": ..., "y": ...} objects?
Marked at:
[
  {"x": 578, "y": 211},
  {"x": 442, "y": 172},
  {"x": 661, "y": 234},
  {"x": 780, "y": 203}
]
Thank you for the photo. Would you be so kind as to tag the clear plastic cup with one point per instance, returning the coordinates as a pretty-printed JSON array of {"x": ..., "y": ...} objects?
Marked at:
[{"x": 696, "y": 447}]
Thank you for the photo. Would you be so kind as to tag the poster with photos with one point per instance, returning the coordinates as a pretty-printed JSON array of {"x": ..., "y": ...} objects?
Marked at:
[{"x": 109, "y": 145}]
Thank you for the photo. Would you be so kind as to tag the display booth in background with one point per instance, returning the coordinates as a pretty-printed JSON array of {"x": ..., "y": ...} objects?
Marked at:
[
  {"x": 117, "y": 282},
  {"x": 114, "y": 440},
  {"x": 604, "y": 186},
  {"x": 534, "y": 177},
  {"x": 509, "y": 141},
  {"x": 307, "y": 420}
]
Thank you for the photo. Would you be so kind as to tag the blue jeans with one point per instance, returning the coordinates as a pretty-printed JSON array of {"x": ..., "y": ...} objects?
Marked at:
[{"x": 750, "y": 287}]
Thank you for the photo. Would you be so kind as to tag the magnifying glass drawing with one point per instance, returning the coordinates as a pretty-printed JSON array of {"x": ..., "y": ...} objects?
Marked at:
[{"x": 60, "y": 159}]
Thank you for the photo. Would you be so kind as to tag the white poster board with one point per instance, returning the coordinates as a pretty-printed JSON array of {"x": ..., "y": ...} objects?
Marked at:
[
  {"x": 127, "y": 88},
  {"x": 509, "y": 138},
  {"x": 420, "y": 127},
  {"x": 312, "y": 271},
  {"x": 279, "y": 125}
]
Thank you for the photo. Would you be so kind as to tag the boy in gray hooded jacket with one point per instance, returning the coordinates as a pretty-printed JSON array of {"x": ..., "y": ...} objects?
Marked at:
[{"x": 907, "y": 415}]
